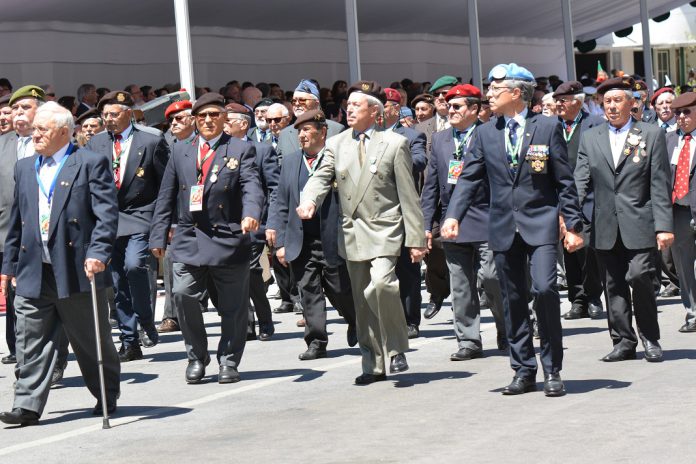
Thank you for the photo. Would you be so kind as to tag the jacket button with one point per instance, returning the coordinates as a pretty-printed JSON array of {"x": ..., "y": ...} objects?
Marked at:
[
  {"x": 220, "y": 206},
  {"x": 515, "y": 208},
  {"x": 348, "y": 197},
  {"x": 24, "y": 248},
  {"x": 69, "y": 244}
]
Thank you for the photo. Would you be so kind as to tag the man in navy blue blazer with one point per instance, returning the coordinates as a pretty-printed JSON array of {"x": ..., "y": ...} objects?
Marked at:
[
  {"x": 62, "y": 230},
  {"x": 310, "y": 246},
  {"x": 215, "y": 185},
  {"x": 469, "y": 250},
  {"x": 522, "y": 156}
]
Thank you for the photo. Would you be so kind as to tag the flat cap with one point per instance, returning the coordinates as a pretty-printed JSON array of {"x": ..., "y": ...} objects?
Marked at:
[
  {"x": 116, "y": 97},
  {"x": 463, "y": 91},
  {"x": 424, "y": 97},
  {"x": 176, "y": 107},
  {"x": 510, "y": 71},
  {"x": 308, "y": 87},
  {"x": 5, "y": 100},
  {"x": 315, "y": 116},
  {"x": 389, "y": 94},
  {"x": 89, "y": 114},
  {"x": 236, "y": 108},
  {"x": 28, "y": 91},
  {"x": 684, "y": 100},
  {"x": 264, "y": 102},
  {"x": 568, "y": 88},
  {"x": 371, "y": 88},
  {"x": 443, "y": 81},
  {"x": 659, "y": 92},
  {"x": 208, "y": 99},
  {"x": 616, "y": 83}
]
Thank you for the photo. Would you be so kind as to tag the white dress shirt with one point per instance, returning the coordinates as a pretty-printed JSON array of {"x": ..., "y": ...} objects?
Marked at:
[
  {"x": 47, "y": 173},
  {"x": 25, "y": 147},
  {"x": 126, "y": 139},
  {"x": 617, "y": 140},
  {"x": 680, "y": 145}
]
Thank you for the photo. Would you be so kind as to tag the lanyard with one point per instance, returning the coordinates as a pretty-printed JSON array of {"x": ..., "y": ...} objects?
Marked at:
[
  {"x": 459, "y": 145},
  {"x": 313, "y": 168},
  {"x": 200, "y": 163},
  {"x": 37, "y": 166},
  {"x": 574, "y": 125},
  {"x": 514, "y": 151}
]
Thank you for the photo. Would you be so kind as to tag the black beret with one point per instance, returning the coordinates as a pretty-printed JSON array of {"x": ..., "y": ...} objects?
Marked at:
[
  {"x": 616, "y": 83},
  {"x": 316, "y": 116},
  {"x": 5, "y": 100},
  {"x": 371, "y": 88},
  {"x": 264, "y": 102},
  {"x": 568, "y": 88},
  {"x": 93, "y": 113},
  {"x": 210, "y": 98},
  {"x": 684, "y": 100},
  {"x": 237, "y": 108},
  {"x": 117, "y": 97}
]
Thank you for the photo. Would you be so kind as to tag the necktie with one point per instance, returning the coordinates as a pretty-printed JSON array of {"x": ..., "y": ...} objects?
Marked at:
[
  {"x": 681, "y": 183},
  {"x": 205, "y": 159},
  {"x": 116, "y": 163},
  {"x": 440, "y": 124},
  {"x": 311, "y": 161},
  {"x": 512, "y": 136},
  {"x": 665, "y": 126},
  {"x": 262, "y": 135},
  {"x": 22, "y": 149},
  {"x": 361, "y": 148},
  {"x": 568, "y": 127}
]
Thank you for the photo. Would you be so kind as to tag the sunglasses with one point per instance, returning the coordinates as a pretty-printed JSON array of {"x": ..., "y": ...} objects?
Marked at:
[
  {"x": 440, "y": 94},
  {"x": 211, "y": 114},
  {"x": 300, "y": 101},
  {"x": 275, "y": 120},
  {"x": 685, "y": 112},
  {"x": 178, "y": 118},
  {"x": 457, "y": 106}
]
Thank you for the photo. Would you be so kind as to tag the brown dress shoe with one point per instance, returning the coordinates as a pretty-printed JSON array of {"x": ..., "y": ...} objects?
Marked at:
[
  {"x": 168, "y": 325},
  {"x": 301, "y": 323}
]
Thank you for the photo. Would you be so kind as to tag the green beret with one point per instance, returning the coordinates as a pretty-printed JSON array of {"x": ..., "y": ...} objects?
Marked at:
[
  {"x": 28, "y": 91},
  {"x": 444, "y": 81}
]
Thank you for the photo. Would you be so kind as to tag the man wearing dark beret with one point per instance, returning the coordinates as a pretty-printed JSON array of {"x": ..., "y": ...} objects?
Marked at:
[
  {"x": 138, "y": 160},
  {"x": 424, "y": 107},
  {"x": 5, "y": 115},
  {"x": 647, "y": 114},
  {"x": 623, "y": 164},
  {"x": 261, "y": 133}
]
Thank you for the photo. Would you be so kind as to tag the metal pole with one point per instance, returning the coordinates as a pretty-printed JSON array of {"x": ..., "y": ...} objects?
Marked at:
[
  {"x": 568, "y": 36},
  {"x": 353, "y": 41},
  {"x": 100, "y": 360},
  {"x": 183, "y": 43},
  {"x": 647, "y": 49},
  {"x": 474, "y": 44}
]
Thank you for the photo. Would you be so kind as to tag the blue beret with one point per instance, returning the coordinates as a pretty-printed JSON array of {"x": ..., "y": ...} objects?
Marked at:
[
  {"x": 308, "y": 86},
  {"x": 510, "y": 71},
  {"x": 406, "y": 112}
]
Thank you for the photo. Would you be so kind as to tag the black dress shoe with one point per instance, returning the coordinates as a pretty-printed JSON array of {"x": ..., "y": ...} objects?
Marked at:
[
  {"x": 9, "y": 359},
  {"x": 432, "y": 309},
  {"x": 413, "y": 331},
  {"x": 553, "y": 385},
  {"x": 617, "y": 354},
  {"x": 352, "y": 336},
  {"x": 465, "y": 354},
  {"x": 483, "y": 301},
  {"x": 576, "y": 312},
  {"x": 283, "y": 308},
  {"x": 520, "y": 385},
  {"x": 670, "y": 291},
  {"x": 110, "y": 408},
  {"x": 266, "y": 331},
  {"x": 313, "y": 352},
  {"x": 195, "y": 370},
  {"x": 502, "y": 341},
  {"x": 19, "y": 416},
  {"x": 398, "y": 363},
  {"x": 297, "y": 307},
  {"x": 131, "y": 353},
  {"x": 228, "y": 374},
  {"x": 149, "y": 336},
  {"x": 653, "y": 351},
  {"x": 595, "y": 309},
  {"x": 686, "y": 328},
  {"x": 250, "y": 336},
  {"x": 57, "y": 374},
  {"x": 367, "y": 379},
  {"x": 535, "y": 329}
]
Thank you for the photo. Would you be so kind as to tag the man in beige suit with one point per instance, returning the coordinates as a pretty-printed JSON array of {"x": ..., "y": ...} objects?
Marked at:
[{"x": 380, "y": 212}]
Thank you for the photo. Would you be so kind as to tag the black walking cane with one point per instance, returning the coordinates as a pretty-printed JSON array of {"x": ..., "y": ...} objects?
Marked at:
[{"x": 100, "y": 361}]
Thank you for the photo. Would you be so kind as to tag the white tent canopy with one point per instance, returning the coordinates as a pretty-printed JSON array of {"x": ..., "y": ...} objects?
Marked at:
[{"x": 67, "y": 42}]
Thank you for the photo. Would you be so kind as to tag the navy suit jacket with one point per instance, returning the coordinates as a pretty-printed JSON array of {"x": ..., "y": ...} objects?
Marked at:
[
  {"x": 437, "y": 192},
  {"x": 84, "y": 215},
  {"x": 147, "y": 159},
  {"x": 529, "y": 203},
  {"x": 269, "y": 169},
  {"x": 288, "y": 224},
  {"x": 213, "y": 236},
  {"x": 417, "y": 144}
]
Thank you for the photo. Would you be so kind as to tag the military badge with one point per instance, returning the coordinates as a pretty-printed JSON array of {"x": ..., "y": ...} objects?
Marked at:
[
  {"x": 120, "y": 98},
  {"x": 34, "y": 93},
  {"x": 232, "y": 164},
  {"x": 537, "y": 156},
  {"x": 365, "y": 86},
  {"x": 140, "y": 172}
]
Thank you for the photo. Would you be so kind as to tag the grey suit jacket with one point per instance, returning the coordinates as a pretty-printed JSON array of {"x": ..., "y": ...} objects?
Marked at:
[
  {"x": 288, "y": 142},
  {"x": 632, "y": 198},
  {"x": 8, "y": 158},
  {"x": 380, "y": 210}
]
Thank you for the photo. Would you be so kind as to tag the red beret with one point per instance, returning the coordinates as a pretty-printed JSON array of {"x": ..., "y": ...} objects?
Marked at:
[
  {"x": 463, "y": 90},
  {"x": 659, "y": 92},
  {"x": 392, "y": 95},
  {"x": 176, "y": 107}
]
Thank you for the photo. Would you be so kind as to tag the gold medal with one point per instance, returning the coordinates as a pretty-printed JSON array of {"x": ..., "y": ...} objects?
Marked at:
[
  {"x": 636, "y": 159},
  {"x": 232, "y": 164},
  {"x": 140, "y": 172}
]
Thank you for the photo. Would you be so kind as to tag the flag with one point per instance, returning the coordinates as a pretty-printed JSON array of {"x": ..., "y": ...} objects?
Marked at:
[{"x": 601, "y": 73}]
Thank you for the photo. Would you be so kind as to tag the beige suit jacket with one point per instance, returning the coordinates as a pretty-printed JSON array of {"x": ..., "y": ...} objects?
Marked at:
[{"x": 380, "y": 210}]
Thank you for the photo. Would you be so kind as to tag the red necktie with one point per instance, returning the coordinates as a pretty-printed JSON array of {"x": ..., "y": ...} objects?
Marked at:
[
  {"x": 117, "y": 160},
  {"x": 681, "y": 183},
  {"x": 310, "y": 161},
  {"x": 569, "y": 128},
  {"x": 204, "y": 161}
]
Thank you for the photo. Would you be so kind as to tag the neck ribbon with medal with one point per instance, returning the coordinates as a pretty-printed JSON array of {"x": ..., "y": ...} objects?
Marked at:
[
  {"x": 514, "y": 152},
  {"x": 45, "y": 219},
  {"x": 311, "y": 168},
  {"x": 457, "y": 164},
  {"x": 568, "y": 134},
  {"x": 196, "y": 198}
]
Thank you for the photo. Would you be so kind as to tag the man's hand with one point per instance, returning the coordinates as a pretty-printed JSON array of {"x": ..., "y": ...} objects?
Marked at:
[
  {"x": 664, "y": 240},
  {"x": 572, "y": 241},
  {"x": 280, "y": 255},
  {"x": 170, "y": 235},
  {"x": 306, "y": 210},
  {"x": 249, "y": 224},
  {"x": 417, "y": 254},
  {"x": 449, "y": 229},
  {"x": 157, "y": 252},
  {"x": 271, "y": 237},
  {"x": 561, "y": 228},
  {"x": 93, "y": 266},
  {"x": 4, "y": 282},
  {"x": 429, "y": 238}
]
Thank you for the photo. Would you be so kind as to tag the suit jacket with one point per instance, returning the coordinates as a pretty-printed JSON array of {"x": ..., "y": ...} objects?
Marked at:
[
  {"x": 252, "y": 135},
  {"x": 288, "y": 142},
  {"x": 649, "y": 115},
  {"x": 632, "y": 199},
  {"x": 82, "y": 109},
  {"x": 147, "y": 159},
  {"x": 526, "y": 202},
  {"x": 213, "y": 236},
  {"x": 428, "y": 128},
  {"x": 587, "y": 121},
  {"x": 84, "y": 217},
  {"x": 289, "y": 225},
  {"x": 269, "y": 169},
  {"x": 437, "y": 191},
  {"x": 672, "y": 145},
  {"x": 417, "y": 144},
  {"x": 8, "y": 158},
  {"x": 380, "y": 211}
]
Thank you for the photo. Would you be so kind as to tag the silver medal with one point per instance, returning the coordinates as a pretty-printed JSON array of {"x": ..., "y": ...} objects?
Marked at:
[{"x": 373, "y": 169}]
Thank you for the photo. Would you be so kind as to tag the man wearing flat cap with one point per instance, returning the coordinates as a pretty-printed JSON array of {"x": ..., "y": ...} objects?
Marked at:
[
  {"x": 680, "y": 152},
  {"x": 624, "y": 165},
  {"x": 372, "y": 170},
  {"x": 215, "y": 183},
  {"x": 138, "y": 160},
  {"x": 424, "y": 107},
  {"x": 89, "y": 123},
  {"x": 522, "y": 156},
  {"x": 582, "y": 273}
]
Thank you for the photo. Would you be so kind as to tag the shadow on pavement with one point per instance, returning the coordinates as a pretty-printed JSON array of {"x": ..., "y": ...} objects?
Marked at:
[
  {"x": 569, "y": 331},
  {"x": 126, "y": 377},
  {"x": 147, "y": 412},
  {"x": 436, "y": 333},
  {"x": 420, "y": 378},
  {"x": 305, "y": 374},
  {"x": 585, "y": 386},
  {"x": 674, "y": 355}
]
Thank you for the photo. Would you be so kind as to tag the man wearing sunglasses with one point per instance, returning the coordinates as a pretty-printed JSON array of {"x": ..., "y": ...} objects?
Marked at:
[{"x": 440, "y": 122}]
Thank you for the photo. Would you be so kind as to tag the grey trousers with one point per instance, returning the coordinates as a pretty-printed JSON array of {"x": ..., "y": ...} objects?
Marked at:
[
  {"x": 379, "y": 316},
  {"x": 461, "y": 262},
  {"x": 41, "y": 323},
  {"x": 684, "y": 254},
  {"x": 232, "y": 286}
]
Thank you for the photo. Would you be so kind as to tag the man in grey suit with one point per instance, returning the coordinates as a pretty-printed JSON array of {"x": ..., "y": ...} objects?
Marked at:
[
  {"x": 380, "y": 212},
  {"x": 624, "y": 164}
]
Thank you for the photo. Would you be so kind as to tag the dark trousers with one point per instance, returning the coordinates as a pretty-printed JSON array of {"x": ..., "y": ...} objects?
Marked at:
[
  {"x": 409, "y": 275},
  {"x": 684, "y": 256},
  {"x": 582, "y": 276},
  {"x": 289, "y": 292},
  {"x": 257, "y": 293},
  {"x": 669, "y": 270},
  {"x": 512, "y": 274},
  {"x": 168, "y": 277},
  {"x": 436, "y": 275},
  {"x": 10, "y": 318},
  {"x": 628, "y": 276},
  {"x": 316, "y": 279},
  {"x": 130, "y": 269}
]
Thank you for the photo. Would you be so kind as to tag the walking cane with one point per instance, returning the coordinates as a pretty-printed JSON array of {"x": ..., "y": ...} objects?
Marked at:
[{"x": 102, "y": 386}]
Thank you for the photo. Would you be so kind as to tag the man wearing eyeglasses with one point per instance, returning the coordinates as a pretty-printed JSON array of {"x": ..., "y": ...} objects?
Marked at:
[
  {"x": 261, "y": 132},
  {"x": 522, "y": 156},
  {"x": 216, "y": 184},
  {"x": 440, "y": 122},
  {"x": 138, "y": 160}
]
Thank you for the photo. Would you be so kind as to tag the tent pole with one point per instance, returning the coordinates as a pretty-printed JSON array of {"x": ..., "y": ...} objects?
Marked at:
[
  {"x": 647, "y": 48},
  {"x": 568, "y": 36},
  {"x": 353, "y": 41},
  {"x": 183, "y": 43},
  {"x": 474, "y": 44}
]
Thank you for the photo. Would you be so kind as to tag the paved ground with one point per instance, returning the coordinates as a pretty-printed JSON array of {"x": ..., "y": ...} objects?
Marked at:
[{"x": 286, "y": 410}]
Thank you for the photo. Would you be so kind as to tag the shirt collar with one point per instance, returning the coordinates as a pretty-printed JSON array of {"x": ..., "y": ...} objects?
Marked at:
[
  {"x": 368, "y": 133},
  {"x": 126, "y": 132},
  {"x": 626, "y": 127},
  {"x": 520, "y": 117},
  {"x": 212, "y": 142},
  {"x": 60, "y": 154}
]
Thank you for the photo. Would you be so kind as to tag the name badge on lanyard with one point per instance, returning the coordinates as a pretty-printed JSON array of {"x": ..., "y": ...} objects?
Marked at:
[
  {"x": 454, "y": 171},
  {"x": 196, "y": 198},
  {"x": 45, "y": 218}
]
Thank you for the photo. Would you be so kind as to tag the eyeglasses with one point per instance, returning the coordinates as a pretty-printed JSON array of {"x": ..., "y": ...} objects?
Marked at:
[
  {"x": 563, "y": 101},
  {"x": 440, "y": 94},
  {"x": 111, "y": 114},
  {"x": 41, "y": 130},
  {"x": 685, "y": 112},
  {"x": 178, "y": 118},
  {"x": 275, "y": 120},
  {"x": 300, "y": 101},
  {"x": 457, "y": 106},
  {"x": 211, "y": 114},
  {"x": 497, "y": 90}
]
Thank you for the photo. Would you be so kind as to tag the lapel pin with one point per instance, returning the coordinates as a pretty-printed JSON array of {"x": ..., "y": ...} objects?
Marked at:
[{"x": 140, "y": 172}]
